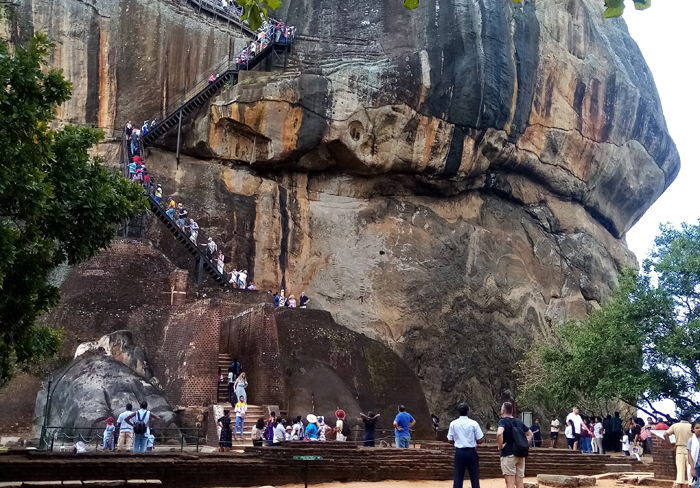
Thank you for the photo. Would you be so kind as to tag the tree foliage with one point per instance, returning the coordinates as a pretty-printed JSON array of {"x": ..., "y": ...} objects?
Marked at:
[
  {"x": 255, "y": 10},
  {"x": 57, "y": 204},
  {"x": 613, "y": 8},
  {"x": 640, "y": 347}
]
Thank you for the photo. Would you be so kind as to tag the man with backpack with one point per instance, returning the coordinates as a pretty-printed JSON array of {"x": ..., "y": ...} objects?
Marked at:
[
  {"x": 513, "y": 438},
  {"x": 342, "y": 427},
  {"x": 139, "y": 422}
]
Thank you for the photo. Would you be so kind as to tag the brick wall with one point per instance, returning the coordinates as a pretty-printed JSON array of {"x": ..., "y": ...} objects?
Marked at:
[
  {"x": 129, "y": 287},
  {"x": 251, "y": 337},
  {"x": 664, "y": 459}
]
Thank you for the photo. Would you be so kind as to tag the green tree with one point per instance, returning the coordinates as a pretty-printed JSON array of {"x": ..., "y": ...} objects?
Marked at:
[
  {"x": 57, "y": 204},
  {"x": 643, "y": 345},
  {"x": 613, "y": 8},
  {"x": 255, "y": 10}
]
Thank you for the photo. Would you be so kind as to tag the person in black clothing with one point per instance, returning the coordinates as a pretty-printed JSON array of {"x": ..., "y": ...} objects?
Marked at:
[
  {"x": 370, "y": 421},
  {"x": 236, "y": 368},
  {"x": 607, "y": 434},
  {"x": 513, "y": 467},
  {"x": 303, "y": 300},
  {"x": 225, "y": 436}
]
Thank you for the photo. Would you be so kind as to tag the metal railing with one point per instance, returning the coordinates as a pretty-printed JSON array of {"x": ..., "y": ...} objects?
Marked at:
[
  {"x": 231, "y": 12},
  {"x": 52, "y": 435}
]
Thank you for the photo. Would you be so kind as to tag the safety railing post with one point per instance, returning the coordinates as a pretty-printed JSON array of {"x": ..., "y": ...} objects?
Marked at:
[{"x": 197, "y": 439}]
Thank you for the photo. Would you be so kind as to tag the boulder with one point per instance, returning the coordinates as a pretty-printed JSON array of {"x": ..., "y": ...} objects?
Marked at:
[
  {"x": 95, "y": 386},
  {"x": 120, "y": 345}
]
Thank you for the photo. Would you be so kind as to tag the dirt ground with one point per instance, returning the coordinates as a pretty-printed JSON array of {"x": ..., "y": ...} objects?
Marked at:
[{"x": 485, "y": 483}]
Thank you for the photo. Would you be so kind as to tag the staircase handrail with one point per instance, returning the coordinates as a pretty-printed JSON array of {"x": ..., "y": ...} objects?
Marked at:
[
  {"x": 201, "y": 254},
  {"x": 232, "y": 14},
  {"x": 190, "y": 94},
  {"x": 203, "y": 85}
]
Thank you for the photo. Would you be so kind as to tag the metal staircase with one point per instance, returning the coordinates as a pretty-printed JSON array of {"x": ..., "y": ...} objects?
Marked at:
[
  {"x": 174, "y": 117},
  {"x": 202, "y": 262}
]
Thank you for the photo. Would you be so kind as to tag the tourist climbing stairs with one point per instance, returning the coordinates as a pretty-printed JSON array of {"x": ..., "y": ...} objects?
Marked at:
[
  {"x": 181, "y": 109},
  {"x": 203, "y": 263}
]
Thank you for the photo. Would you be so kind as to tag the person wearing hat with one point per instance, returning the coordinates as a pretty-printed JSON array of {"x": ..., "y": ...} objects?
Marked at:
[
  {"x": 159, "y": 194},
  {"x": 171, "y": 208},
  {"x": 108, "y": 435},
  {"x": 340, "y": 416},
  {"x": 311, "y": 432},
  {"x": 292, "y": 301}
]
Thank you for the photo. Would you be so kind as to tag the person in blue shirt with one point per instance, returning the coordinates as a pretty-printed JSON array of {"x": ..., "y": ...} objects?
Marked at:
[
  {"x": 402, "y": 428},
  {"x": 465, "y": 434}
]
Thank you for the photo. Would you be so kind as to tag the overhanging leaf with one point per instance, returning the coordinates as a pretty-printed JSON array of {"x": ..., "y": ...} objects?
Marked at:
[
  {"x": 274, "y": 4},
  {"x": 614, "y": 8},
  {"x": 642, "y": 4},
  {"x": 254, "y": 19},
  {"x": 410, "y": 4}
]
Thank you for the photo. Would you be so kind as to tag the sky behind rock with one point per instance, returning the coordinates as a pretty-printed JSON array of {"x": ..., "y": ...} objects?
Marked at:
[{"x": 666, "y": 35}]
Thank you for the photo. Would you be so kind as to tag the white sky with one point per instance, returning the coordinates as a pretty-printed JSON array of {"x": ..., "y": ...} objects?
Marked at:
[{"x": 667, "y": 35}]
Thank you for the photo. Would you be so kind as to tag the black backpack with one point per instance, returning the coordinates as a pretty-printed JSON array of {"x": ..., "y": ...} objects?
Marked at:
[
  {"x": 520, "y": 445},
  {"x": 139, "y": 425},
  {"x": 345, "y": 430}
]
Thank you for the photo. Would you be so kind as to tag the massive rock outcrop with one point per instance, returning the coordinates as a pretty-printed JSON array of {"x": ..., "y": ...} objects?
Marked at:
[{"x": 447, "y": 180}]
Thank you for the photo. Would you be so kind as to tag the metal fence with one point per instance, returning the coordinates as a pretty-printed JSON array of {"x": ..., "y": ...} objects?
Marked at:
[{"x": 60, "y": 437}]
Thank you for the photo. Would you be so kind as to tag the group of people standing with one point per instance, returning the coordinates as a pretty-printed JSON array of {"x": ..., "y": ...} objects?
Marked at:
[
  {"x": 290, "y": 301},
  {"x": 134, "y": 430}
]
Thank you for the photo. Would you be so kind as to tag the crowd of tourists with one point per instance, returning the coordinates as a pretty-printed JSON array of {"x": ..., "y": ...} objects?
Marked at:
[
  {"x": 599, "y": 435},
  {"x": 271, "y": 31},
  {"x": 275, "y": 429},
  {"x": 282, "y": 300}
]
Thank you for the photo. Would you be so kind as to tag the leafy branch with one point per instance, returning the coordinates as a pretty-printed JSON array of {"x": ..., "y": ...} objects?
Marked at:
[{"x": 613, "y": 8}]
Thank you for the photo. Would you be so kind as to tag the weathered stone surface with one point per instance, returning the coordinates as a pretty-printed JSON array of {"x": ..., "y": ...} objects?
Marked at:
[
  {"x": 587, "y": 481},
  {"x": 120, "y": 345},
  {"x": 448, "y": 181},
  {"x": 531, "y": 484},
  {"x": 127, "y": 59},
  {"x": 558, "y": 480},
  {"x": 96, "y": 386}
]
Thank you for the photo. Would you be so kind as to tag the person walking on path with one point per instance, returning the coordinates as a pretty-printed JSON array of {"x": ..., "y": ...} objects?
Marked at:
[
  {"x": 370, "y": 421},
  {"x": 682, "y": 430},
  {"x": 616, "y": 429},
  {"x": 693, "y": 448},
  {"x": 402, "y": 428},
  {"x": 240, "y": 409},
  {"x": 465, "y": 434},
  {"x": 239, "y": 386},
  {"x": 512, "y": 466},
  {"x": 194, "y": 231},
  {"x": 108, "y": 435},
  {"x": 578, "y": 421},
  {"x": 224, "y": 423},
  {"x": 553, "y": 432},
  {"x": 536, "y": 433},
  {"x": 126, "y": 431},
  {"x": 143, "y": 416}
]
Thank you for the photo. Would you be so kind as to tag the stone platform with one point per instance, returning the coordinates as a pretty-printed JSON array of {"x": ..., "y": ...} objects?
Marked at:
[{"x": 276, "y": 466}]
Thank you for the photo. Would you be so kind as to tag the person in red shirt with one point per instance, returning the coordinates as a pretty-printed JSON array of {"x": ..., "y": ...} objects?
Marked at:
[{"x": 660, "y": 425}]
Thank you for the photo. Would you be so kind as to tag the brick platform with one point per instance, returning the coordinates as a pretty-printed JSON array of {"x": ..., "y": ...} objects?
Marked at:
[{"x": 275, "y": 466}]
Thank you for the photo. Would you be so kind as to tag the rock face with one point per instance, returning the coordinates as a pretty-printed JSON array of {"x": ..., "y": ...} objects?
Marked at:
[
  {"x": 447, "y": 181},
  {"x": 120, "y": 345},
  {"x": 127, "y": 59},
  {"x": 102, "y": 386}
]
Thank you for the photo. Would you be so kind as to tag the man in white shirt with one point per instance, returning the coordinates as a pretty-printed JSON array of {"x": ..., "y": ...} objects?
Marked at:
[
  {"x": 465, "y": 434},
  {"x": 126, "y": 431},
  {"x": 577, "y": 426}
]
